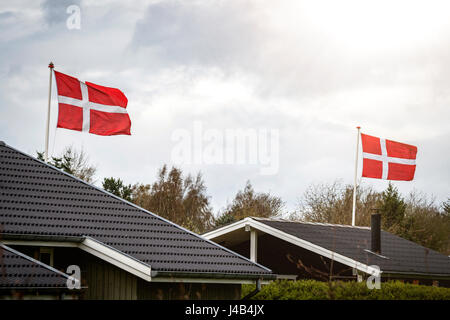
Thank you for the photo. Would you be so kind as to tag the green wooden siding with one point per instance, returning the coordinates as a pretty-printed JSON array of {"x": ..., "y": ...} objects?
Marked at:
[{"x": 105, "y": 281}]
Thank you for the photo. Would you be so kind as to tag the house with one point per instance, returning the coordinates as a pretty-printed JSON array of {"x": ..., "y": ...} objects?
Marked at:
[
  {"x": 23, "y": 277},
  {"x": 296, "y": 250},
  {"x": 56, "y": 223}
]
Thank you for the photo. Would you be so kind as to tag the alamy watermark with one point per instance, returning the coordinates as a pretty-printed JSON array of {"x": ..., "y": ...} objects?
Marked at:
[
  {"x": 74, "y": 20},
  {"x": 253, "y": 146},
  {"x": 374, "y": 280},
  {"x": 74, "y": 280}
]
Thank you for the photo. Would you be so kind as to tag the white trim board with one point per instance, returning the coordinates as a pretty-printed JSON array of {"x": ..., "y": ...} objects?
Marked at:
[
  {"x": 294, "y": 240},
  {"x": 117, "y": 258},
  {"x": 99, "y": 250}
]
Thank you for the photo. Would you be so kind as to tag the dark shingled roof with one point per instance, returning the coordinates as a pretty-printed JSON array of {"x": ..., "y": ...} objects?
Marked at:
[
  {"x": 397, "y": 254},
  {"x": 38, "y": 199},
  {"x": 20, "y": 271}
]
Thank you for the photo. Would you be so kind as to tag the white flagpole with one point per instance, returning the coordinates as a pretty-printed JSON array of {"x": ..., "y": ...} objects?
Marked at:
[
  {"x": 51, "y": 66},
  {"x": 354, "y": 181}
]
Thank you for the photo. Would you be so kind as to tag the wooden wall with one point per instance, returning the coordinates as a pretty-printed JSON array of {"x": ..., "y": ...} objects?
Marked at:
[
  {"x": 105, "y": 281},
  {"x": 285, "y": 258}
]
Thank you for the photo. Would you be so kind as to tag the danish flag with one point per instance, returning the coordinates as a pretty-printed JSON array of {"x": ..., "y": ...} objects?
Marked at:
[
  {"x": 88, "y": 107},
  {"x": 387, "y": 159}
]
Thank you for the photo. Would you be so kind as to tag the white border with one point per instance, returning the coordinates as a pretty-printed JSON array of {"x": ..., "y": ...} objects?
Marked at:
[{"x": 117, "y": 258}]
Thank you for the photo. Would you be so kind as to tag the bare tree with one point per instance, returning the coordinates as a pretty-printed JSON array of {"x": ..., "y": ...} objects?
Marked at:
[
  {"x": 178, "y": 198},
  {"x": 425, "y": 224},
  {"x": 74, "y": 162},
  {"x": 332, "y": 203},
  {"x": 415, "y": 218},
  {"x": 248, "y": 203}
]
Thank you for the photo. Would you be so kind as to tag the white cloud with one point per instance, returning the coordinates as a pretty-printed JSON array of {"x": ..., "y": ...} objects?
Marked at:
[{"x": 312, "y": 70}]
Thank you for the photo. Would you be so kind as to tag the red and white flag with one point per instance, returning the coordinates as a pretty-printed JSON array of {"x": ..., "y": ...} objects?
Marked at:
[
  {"x": 387, "y": 159},
  {"x": 88, "y": 107}
]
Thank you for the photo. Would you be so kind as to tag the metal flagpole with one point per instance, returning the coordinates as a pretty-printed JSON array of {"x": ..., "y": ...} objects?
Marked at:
[
  {"x": 51, "y": 66},
  {"x": 354, "y": 182}
]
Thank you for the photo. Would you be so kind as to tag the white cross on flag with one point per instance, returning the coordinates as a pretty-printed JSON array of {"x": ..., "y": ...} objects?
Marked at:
[
  {"x": 88, "y": 107},
  {"x": 387, "y": 159}
]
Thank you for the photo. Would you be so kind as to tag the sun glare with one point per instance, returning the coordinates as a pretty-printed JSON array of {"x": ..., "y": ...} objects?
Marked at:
[{"x": 370, "y": 25}]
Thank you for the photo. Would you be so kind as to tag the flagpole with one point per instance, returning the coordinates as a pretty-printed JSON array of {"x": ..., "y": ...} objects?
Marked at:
[
  {"x": 50, "y": 66},
  {"x": 354, "y": 181}
]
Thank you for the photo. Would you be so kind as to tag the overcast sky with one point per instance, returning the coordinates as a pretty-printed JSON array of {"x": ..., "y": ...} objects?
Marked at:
[{"x": 303, "y": 73}]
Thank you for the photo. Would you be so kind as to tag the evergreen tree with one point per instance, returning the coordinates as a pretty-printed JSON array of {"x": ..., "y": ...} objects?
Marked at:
[
  {"x": 116, "y": 187},
  {"x": 392, "y": 208},
  {"x": 224, "y": 219}
]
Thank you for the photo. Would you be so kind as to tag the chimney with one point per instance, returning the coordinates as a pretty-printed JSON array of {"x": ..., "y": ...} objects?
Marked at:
[{"x": 375, "y": 230}]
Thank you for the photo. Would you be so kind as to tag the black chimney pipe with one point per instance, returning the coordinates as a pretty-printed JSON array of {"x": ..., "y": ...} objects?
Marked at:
[{"x": 375, "y": 229}]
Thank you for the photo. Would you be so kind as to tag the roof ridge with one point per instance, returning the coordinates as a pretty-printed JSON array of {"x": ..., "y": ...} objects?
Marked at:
[
  {"x": 309, "y": 222},
  {"x": 142, "y": 210}
]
